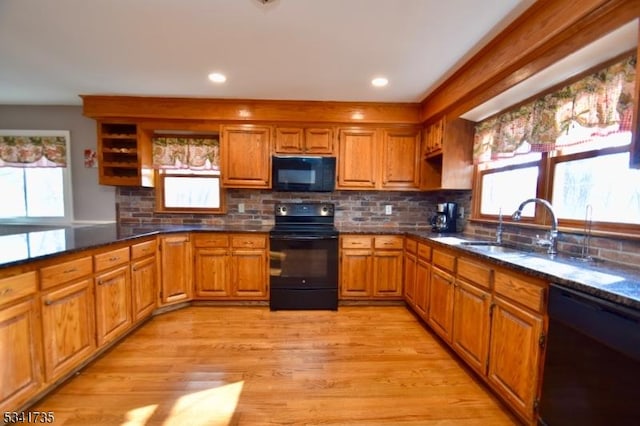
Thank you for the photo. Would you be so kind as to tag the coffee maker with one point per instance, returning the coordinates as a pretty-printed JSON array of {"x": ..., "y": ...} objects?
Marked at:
[{"x": 445, "y": 219}]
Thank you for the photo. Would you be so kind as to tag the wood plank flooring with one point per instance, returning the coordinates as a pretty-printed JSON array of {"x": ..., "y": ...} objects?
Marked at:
[{"x": 250, "y": 366}]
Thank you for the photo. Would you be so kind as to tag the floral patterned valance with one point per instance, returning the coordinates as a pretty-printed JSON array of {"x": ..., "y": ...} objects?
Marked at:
[
  {"x": 596, "y": 106},
  {"x": 196, "y": 153},
  {"x": 33, "y": 151}
]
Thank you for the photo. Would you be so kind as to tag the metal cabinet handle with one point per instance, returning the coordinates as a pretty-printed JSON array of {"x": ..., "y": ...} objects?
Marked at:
[
  {"x": 113, "y": 259},
  {"x": 70, "y": 270},
  {"x": 48, "y": 302},
  {"x": 6, "y": 291}
]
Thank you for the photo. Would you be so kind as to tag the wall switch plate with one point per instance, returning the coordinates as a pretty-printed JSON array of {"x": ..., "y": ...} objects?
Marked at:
[
  {"x": 240, "y": 207},
  {"x": 388, "y": 209}
]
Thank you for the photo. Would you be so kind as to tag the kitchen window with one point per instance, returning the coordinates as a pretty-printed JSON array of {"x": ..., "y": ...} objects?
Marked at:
[
  {"x": 188, "y": 174},
  {"x": 571, "y": 147},
  {"x": 180, "y": 191},
  {"x": 34, "y": 177}
]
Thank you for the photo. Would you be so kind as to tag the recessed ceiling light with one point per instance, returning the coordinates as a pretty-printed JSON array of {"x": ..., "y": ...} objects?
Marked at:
[
  {"x": 217, "y": 77},
  {"x": 379, "y": 82}
]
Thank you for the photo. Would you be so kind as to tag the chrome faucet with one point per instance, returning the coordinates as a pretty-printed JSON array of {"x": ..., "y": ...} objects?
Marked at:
[
  {"x": 499, "y": 228},
  {"x": 552, "y": 242}
]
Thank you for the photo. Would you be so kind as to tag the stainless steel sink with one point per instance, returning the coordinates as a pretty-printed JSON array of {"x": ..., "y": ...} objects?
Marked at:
[{"x": 491, "y": 247}]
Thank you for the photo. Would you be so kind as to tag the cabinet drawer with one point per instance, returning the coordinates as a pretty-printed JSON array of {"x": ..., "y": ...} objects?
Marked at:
[
  {"x": 356, "y": 241},
  {"x": 210, "y": 240},
  {"x": 143, "y": 249},
  {"x": 388, "y": 242},
  {"x": 474, "y": 272},
  {"x": 54, "y": 275},
  {"x": 520, "y": 289},
  {"x": 17, "y": 286},
  {"x": 411, "y": 245},
  {"x": 111, "y": 258},
  {"x": 424, "y": 252},
  {"x": 444, "y": 260},
  {"x": 248, "y": 241}
]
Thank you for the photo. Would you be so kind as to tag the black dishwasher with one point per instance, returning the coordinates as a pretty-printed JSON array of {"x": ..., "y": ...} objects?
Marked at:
[{"x": 592, "y": 365}]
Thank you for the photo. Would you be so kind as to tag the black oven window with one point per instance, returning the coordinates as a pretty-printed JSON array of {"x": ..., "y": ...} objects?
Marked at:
[{"x": 292, "y": 263}]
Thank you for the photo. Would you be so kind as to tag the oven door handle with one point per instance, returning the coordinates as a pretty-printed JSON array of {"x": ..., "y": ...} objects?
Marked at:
[{"x": 303, "y": 237}]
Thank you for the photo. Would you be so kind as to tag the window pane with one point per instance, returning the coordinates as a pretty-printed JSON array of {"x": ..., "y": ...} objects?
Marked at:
[
  {"x": 506, "y": 190},
  {"x": 606, "y": 183},
  {"x": 45, "y": 192},
  {"x": 12, "y": 184},
  {"x": 191, "y": 192}
]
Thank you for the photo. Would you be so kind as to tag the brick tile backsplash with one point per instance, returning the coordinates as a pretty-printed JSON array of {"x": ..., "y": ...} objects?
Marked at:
[{"x": 135, "y": 206}]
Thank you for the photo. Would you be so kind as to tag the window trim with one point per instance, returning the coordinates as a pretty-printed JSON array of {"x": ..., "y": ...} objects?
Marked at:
[
  {"x": 545, "y": 190},
  {"x": 160, "y": 206},
  {"x": 67, "y": 187}
]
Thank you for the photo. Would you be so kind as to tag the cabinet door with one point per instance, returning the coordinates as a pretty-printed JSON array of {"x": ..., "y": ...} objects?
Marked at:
[
  {"x": 410, "y": 262},
  {"x": 357, "y": 162},
  {"x": 246, "y": 156},
  {"x": 212, "y": 279},
  {"x": 249, "y": 274},
  {"x": 441, "y": 303},
  {"x": 514, "y": 355},
  {"x": 401, "y": 159},
  {"x": 423, "y": 285},
  {"x": 67, "y": 327},
  {"x": 471, "y": 324},
  {"x": 289, "y": 140},
  {"x": 355, "y": 273},
  {"x": 175, "y": 269},
  {"x": 113, "y": 304},
  {"x": 20, "y": 372},
  {"x": 387, "y": 273},
  {"x": 143, "y": 287},
  {"x": 318, "y": 140}
]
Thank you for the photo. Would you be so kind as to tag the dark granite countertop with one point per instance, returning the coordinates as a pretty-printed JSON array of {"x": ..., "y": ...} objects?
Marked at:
[
  {"x": 612, "y": 282},
  {"x": 21, "y": 244}
]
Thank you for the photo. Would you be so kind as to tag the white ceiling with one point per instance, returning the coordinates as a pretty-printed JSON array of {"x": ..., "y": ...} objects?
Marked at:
[{"x": 51, "y": 51}]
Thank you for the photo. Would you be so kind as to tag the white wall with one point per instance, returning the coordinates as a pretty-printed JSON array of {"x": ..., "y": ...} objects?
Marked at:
[{"x": 91, "y": 202}]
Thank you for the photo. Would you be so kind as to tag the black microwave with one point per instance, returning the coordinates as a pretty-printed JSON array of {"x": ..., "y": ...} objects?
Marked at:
[{"x": 303, "y": 173}]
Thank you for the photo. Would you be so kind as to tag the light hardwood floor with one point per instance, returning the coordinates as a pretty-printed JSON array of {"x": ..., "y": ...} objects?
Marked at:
[{"x": 250, "y": 366}]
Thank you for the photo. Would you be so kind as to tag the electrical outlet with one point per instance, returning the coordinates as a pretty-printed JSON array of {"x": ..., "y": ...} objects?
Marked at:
[
  {"x": 388, "y": 209},
  {"x": 461, "y": 212},
  {"x": 240, "y": 207}
]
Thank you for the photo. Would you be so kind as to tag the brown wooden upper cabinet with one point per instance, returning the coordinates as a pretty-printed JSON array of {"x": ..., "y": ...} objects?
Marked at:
[
  {"x": 374, "y": 158},
  {"x": 401, "y": 159},
  {"x": 246, "y": 156},
  {"x": 299, "y": 140},
  {"x": 357, "y": 158},
  {"x": 446, "y": 155}
]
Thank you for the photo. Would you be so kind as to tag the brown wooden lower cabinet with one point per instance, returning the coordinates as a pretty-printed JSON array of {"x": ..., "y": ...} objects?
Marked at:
[
  {"x": 514, "y": 355},
  {"x": 143, "y": 287},
  {"x": 231, "y": 266},
  {"x": 441, "y": 303},
  {"x": 176, "y": 265},
  {"x": 113, "y": 304},
  {"x": 423, "y": 287},
  {"x": 471, "y": 322},
  {"x": 410, "y": 263},
  {"x": 371, "y": 267},
  {"x": 494, "y": 318},
  {"x": 67, "y": 327},
  {"x": 20, "y": 369}
]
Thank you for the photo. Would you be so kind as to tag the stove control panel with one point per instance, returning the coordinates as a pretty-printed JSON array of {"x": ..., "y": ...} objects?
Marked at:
[{"x": 305, "y": 209}]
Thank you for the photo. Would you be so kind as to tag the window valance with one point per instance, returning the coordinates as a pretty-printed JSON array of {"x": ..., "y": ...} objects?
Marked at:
[
  {"x": 196, "y": 153},
  {"x": 33, "y": 151},
  {"x": 594, "y": 107}
]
